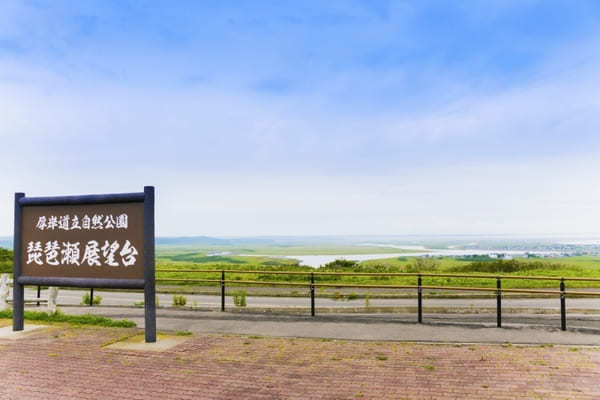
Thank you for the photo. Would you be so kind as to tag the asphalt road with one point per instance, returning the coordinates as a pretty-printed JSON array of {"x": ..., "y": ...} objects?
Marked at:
[
  {"x": 472, "y": 321},
  {"x": 110, "y": 298}
]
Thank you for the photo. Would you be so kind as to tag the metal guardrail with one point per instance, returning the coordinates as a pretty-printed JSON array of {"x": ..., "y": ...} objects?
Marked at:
[{"x": 562, "y": 292}]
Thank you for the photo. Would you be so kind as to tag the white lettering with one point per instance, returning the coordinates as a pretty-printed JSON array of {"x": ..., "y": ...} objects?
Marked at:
[
  {"x": 108, "y": 251},
  {"x": 91, "y": 254},
  {"x": 70, "y": 253},
  {"x": 128, "y": 253},
  {"x": 51, "y": 250},
  {"x": 34, "y": 253}
]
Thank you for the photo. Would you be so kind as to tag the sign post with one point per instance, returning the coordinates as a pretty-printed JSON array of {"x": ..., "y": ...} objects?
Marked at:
[{"x": 91, "y": 241}]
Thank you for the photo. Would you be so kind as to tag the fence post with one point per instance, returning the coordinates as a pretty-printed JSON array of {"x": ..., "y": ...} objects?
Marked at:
[
  {"x": 420, "y": 299},
  {"x": 91, "y": 297},
  {"x": 222, "y": 290},
  {"x": 312, "y": 294},
  {"x": 499, "y": 302},
  {"x": 563, "y": 308},
  {"x": 38, "y": 294}
]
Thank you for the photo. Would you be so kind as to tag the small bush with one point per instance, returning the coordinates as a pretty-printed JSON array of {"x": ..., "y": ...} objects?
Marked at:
[
  {"x": 6, "y": 255},
  {"x": 505, "y": 266},
  {"x": 367, "y": 300},
  {"x": 239, "y": 298},
  {"x": 422, "y": 265},
  {"x": 6, "y": 267},
  {"x": 340, "y": 263},
  {"x": 85, "y": 300},
  {"x": 179, "y": 300}
]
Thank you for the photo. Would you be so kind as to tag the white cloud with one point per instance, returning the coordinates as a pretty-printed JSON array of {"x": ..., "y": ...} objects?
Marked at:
[{"x": 236, "y": 163}]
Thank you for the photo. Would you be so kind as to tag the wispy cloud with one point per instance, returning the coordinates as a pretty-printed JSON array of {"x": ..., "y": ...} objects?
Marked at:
[{"x": 347, "y": 118}]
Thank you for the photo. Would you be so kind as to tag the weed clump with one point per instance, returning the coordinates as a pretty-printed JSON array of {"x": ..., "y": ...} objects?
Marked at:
[
  {"x": 85, "y": 300},
  {"x": 179, "y": 300},
  {"x": 239, "y": 298}
]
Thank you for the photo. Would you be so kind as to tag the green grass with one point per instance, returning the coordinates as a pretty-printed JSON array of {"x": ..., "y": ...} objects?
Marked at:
[
  {"x": 584, "y": 266},
  {"x": 86, "y": 319},
  {"x": 276, "y": 250},
  {"x": 196, "y": 258},
  {"x": 6, "y": 267}
]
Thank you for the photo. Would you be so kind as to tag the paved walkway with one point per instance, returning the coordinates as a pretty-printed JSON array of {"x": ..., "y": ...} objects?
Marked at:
[
  {"x": 66, "y": 363},
  {"x": 453, "y": 328}
]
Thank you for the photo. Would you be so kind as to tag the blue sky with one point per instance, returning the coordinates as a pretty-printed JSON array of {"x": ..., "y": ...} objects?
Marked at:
[{"x": 347, "y": 117}]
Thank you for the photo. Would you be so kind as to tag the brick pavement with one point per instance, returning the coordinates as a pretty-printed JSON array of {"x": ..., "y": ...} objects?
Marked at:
[{"x": 70, "y": 363}]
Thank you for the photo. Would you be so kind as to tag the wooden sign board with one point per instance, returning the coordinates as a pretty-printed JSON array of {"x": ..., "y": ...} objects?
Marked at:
[
  {"x": 91, "y": 241},
  {"x": 83, "y": 241}
]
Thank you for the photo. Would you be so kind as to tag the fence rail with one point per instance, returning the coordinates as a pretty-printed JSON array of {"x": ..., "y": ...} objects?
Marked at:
[{"x": 419, "y": 287}]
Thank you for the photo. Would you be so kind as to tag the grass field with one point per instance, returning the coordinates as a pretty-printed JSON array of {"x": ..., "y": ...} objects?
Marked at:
[
  {"x": 278, "y": 250},
  {"x": 189, "y": 258},
  {"x": 584, "y": 266}
]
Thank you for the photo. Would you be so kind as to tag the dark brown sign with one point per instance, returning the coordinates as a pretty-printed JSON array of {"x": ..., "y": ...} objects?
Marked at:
[{"x": 83, "y": 241}]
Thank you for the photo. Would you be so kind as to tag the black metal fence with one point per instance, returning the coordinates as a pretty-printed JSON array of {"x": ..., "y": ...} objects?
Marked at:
[{"x": 311, "y": 283}]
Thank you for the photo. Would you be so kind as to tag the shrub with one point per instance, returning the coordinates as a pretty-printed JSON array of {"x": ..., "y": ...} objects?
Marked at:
[
  {"x": 6, "y": 258},
  {"x": 85, "y": 300},
  {"x": 505, "y": 266},
  {"x": 422, "y": 265},
  {"x": 6, "y": 255},
  {"x": 343, "y": 264},
  {"x": 179, "y": 300},
  {"x": 239, "y": 298},
  {"x": 6, "y": 267}
]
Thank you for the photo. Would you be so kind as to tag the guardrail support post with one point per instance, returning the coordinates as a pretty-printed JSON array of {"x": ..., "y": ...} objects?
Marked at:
[
  {"x": 563, "y": 308},
  {"x": 91, "y": 297},
  {"x": 312, "y": 294},
  {"x": 222, "y": 290},
  {"x": 499, "y": 302},
  {"x": 39, "y": 289},
  {"x": 420, "y": 300}
]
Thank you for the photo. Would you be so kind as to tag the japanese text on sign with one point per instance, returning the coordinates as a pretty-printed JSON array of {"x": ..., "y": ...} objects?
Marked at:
[
  {"x": 53, "y": 253},
  {"x": 69, "y": 223},
  {"x": 92, "y": 241}
]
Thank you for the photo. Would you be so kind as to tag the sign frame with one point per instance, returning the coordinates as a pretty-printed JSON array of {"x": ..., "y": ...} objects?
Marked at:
[{"x": 147, "y": 283}]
